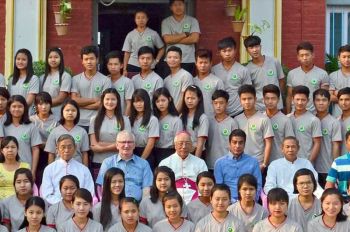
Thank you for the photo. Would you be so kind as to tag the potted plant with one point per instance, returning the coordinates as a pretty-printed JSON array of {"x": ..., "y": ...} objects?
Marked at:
[
  {"x": 238, "y": 19},
  {"x": 230, "y": 8},
  {"x": 61, "y": 17}
]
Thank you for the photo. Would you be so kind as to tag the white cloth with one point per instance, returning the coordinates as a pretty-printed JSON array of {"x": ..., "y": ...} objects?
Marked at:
[
  {"x": 281, "y": 173},
  {"x": 184, "y": 169},
  {"x": 50, "y": 189}
]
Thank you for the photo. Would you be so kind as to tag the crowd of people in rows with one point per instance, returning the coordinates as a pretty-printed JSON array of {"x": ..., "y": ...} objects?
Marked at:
[{"x": 152, "y": 146}]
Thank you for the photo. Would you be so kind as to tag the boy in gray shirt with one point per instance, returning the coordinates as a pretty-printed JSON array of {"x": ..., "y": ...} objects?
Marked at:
[
  {"x": 306, "y": 74},
  {"x": 344, "y": 118},
  {"x": 263, "y": 70},
  {"x": 88, "y": 86}
]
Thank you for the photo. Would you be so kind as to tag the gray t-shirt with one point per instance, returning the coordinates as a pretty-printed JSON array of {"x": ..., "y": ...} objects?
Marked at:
[
  {"x": 331, "y": 132},
  {"x": 257, "y": 128},
  {"x": 53, "y": 87},
  {"x": 43, "y": 228},
  {"x": 79, "y": 134},
  {"x": 210, "y": 224},
  {"x": 89, "y": 88},
  {"x": 150, "y": 83},
  {"x": 198, "y": 210},
  {"x": 2, "y": 80},
  {"x": 70, "y": 226},
  {"x": 201, "y": 130},
  {"x": 259, "y": 213},
  {"x": 314, "y": 79},
  {"x": 45, "y": 127},
  {"x": 337, "y": 81},
  {"x": 269, "y": 73},
  {"x": 120, "y": 228},
  {"x": 301, "y": 216},
  {"x": 218, "y": 142},
  {"x": 287, "y": 226},
  {"x": 345, "y": 127},
  {"x": 28, "y": 136},
  {"x": 208, "y": 86},
  {"x": 165, "y": 225},
  {"x": 282, "y": 127},
  {"x": 57, "y": 214},
  {"x": 143, "y": 133},
  {"x": 96, "y": 211},
  {"x": 135, "y": 40},
  {"x": 234, "y": 78},
  {"x": 125, "y": 88},
  {"x": 169, "y": 126},
  {"x": 317, "y": 225},
  {"x": 177, "y": 84},
  {"x": 306, "y": 127},
  {"x": 109, "y": 130},
  {"x": 170, "y": 26},
  {"x": 3, "y": 228}
]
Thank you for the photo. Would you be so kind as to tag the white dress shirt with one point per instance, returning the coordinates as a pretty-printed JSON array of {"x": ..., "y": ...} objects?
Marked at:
[{"x": 50, "y": 189}]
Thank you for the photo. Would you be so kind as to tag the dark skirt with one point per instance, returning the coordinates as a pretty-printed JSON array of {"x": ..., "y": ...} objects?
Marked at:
[
  {"x": 162, "y": 153},
  {"x": 151, "y": 160}
]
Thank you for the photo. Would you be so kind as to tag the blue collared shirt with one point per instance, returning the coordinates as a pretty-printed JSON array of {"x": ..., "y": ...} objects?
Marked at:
[
  {"x": 228, "y": 169},
  {"x": 138, "y": 174}
]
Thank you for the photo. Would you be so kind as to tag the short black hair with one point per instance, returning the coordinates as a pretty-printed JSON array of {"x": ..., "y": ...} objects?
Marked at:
[
  {"x": 246, "y": 89},
  {"x": 89, "y": 49},
  {"x": 220, "y": 93},
  {"x": 237, "y": 133},
  {"x": 221, "y": 187},
  {"x": 249, "y": 179},
  {"x": 4, "y": 93},
  {"x": 171, "y": 2},
  {"x": 344, "y": 48},
  {"x": 114, "y": 54},
  {"x": 304, "y": 172},
  {"x": 305, "y": 45},
  {"x": 206, "y": 174},
  {"x": 145, "y": 50},
  {"x": 271, "y": 88},
  {"x": 204, "y": 53},
  {"x": 43, "y": 97},
  {"x": 323, "y": 93},
  {"x": 252, "y": 41},
  {"x": 174, "y": 49},
  {"x": 277, "y": 194},
  {"x": 301, "y": 89},
  {"x": 227, "y": 42},
  {"x": 343, "y": 91},
  {"x": 347, "y": 135}
]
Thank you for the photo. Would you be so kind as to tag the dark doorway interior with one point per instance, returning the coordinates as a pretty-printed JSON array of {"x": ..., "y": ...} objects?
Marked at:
[{"x": 117, "y": 20}]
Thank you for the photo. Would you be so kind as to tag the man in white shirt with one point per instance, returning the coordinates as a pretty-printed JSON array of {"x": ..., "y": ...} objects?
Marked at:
[
  {"x": 185, "y": 166},
  {"x": 281, "y": 171},
  {"x": 65, "y": 165}
]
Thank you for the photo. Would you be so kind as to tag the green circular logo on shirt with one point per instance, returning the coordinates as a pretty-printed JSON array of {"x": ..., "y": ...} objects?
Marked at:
[
  {"x": 230, "y": 229},
  {"x": 120, "y": 88},
  {"x": 25, "y": 137},
  {"x": 253, "y": 127},
  {"x": 207, "y": 87},
  {"x": 348, "y": 128},
  {"x": 225, "y": 132},
  {"x": 98, "y": 89},
  {"x": 324, "y": 131},
  {"x": 275, "y": 126},
  {"x": 186, "y": 26},
  {"x": 165, "y": 126},
  {"x": 301, "y": 128},
  {"x": 148, "y": 86},
  {"x": 234, "y": 76},
  {"x": 313, "y": 81},
  {"x": 49, "y": 129},
  {"x": 56, "y": 82},
  {"x": 176, "y": 83},
  {"x": 148, "y": 38},
  {"x": 117, "y": 127},
  {"x": 270, "y": 72},
  {"x": 25, "y": 85},
  {"x": 142, "y": 128},
  {"x": 77, "y": 138}
]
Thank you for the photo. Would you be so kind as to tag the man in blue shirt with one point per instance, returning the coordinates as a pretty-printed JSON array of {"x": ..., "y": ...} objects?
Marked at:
[
  {"x": 229, "y": 168},
  {"x": 138, "y": 174}
]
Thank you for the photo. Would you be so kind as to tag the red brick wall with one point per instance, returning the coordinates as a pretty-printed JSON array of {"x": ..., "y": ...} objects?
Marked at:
[
  {"x": 214, "y": 25},
  {"x": 303, "y": 20},
  {"x": 79, "y": 35},
  {"x": 2, "y": 35}
]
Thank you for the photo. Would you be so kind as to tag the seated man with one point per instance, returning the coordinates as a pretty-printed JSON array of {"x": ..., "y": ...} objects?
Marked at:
[
  {"x": 65, "y": 165},
  {"x": 229, "y": 168},
  {"x": 185, "y": 166},
  {"x": 138, "y": 174},
  {"x": 281, "y": 171}
]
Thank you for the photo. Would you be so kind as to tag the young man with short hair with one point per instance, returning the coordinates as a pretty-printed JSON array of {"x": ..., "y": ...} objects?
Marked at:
[
  {"x": 232, "y": 73},
  {"x": 340, "y": 78},
  {"x": 182, "y": 31},
  {"x": 263, "y": 70},
  {"x": 87, "y": 87},
  {"x": 306, "y": 74},
  {"x": 205, "y": 80},
  {"x": 281, "y": 125},
  {"x": 344, "y": 118},
  {"x": 122, "y": 84},
  {"x": 307, "y": 127},
  {"x": 147, "y": 79},
  {"x": 179, "y": 79},
  {"x": 331, "y": 135},
  {"x": 256, "y": 125}
]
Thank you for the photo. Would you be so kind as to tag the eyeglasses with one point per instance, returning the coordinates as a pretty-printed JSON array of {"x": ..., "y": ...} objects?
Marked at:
[
  {"x": 125, "y": 142},
  {"x": 305, "y": 183}
]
